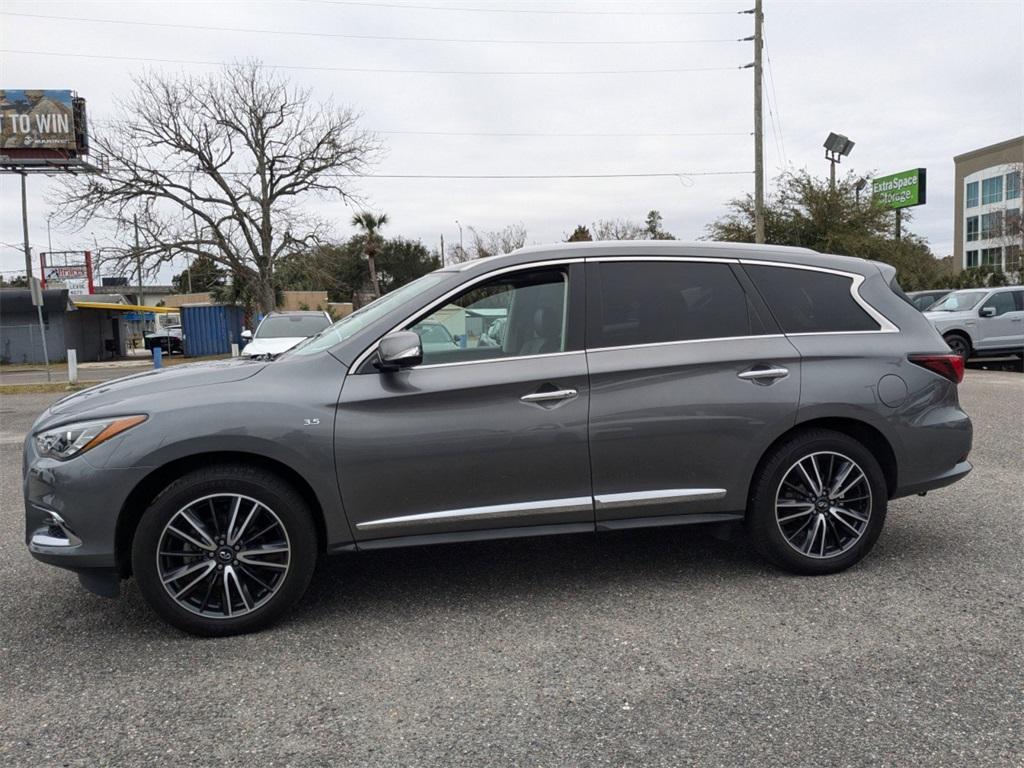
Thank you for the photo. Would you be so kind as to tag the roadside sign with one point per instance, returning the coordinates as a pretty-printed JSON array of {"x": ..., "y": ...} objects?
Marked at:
[
  {"x": 37, "y": 292},
  {"x": 900, "y": 190}
]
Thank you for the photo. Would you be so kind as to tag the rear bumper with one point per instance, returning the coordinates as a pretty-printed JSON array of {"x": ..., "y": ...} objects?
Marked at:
[{"x": 948, "y": 477}]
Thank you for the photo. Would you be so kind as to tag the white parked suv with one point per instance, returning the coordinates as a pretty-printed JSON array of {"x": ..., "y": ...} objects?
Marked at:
[
  {"x": 981, "y": 322},
  {"x": 280, "y": 331}
]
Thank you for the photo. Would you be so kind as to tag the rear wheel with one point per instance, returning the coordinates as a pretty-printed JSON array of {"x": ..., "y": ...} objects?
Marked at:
[
  {"x": 959, "y": 344},
  {"x": 224, "y": 550},
  {"x": 818, "y": 503}
]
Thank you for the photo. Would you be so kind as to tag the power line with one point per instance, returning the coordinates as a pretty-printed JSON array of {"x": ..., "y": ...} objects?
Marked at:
[
  {"x": 349, "y": 36},
  {"x": 775, "y": 99},
  {"x": 524, "y": 73},
  {"x": 563, "y": 135},
  {"x": 546, "y": 12}
]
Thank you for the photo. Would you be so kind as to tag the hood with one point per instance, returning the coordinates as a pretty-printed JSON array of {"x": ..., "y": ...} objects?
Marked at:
[
  {"x": 947, "y": 317},
  {"x": 271, "y": 346},
  {"x": 153, "y": 383}
]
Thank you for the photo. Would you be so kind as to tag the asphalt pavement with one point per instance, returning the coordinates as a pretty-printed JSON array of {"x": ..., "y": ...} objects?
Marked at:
[{"x": 649, "y": 648}]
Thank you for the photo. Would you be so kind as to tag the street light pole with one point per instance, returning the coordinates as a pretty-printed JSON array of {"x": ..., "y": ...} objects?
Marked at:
[{"x": 24, "y": 226}]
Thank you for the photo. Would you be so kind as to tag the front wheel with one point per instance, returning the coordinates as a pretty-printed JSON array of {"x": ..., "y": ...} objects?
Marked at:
[
  {"x": 224, "y": 550},
  {"x": 818, "y": 503}
]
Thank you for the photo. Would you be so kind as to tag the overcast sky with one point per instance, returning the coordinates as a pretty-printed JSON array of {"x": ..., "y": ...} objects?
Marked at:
[{"x": 912, "y": 83}]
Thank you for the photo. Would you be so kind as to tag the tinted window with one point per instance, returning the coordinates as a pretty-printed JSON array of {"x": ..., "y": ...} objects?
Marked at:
[
  {"x": 659, "y": 301},
  {"x": 509, "y": 316},
  {"x": 804, "y": 301}
]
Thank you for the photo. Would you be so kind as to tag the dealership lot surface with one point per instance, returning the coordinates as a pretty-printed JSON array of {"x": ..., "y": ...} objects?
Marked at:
[{"x": 648, "y": 648}]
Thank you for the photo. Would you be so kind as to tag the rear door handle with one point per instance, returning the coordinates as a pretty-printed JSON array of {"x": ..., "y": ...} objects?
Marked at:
[
  {"x": 547, "y": 397},
  {"x": 764, "y": 373}
]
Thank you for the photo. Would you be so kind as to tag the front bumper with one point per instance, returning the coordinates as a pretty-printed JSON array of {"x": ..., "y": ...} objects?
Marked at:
[{"x": 71, "y": 512}]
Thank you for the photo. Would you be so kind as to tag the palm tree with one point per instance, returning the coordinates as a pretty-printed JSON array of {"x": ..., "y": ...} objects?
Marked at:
[{"x": 370, "y": 224}]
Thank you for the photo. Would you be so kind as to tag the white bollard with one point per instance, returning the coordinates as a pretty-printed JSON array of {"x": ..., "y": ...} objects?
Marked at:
[
  {"x": 234, "y": 350},
  {"x": 72, "y": 366}
]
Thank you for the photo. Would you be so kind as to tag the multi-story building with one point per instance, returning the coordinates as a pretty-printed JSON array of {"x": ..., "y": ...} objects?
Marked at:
[{"x": 988, "y": 231}]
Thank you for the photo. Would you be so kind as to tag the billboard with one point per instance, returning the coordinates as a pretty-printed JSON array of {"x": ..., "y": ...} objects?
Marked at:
[
  {"x": 37, "y": 119},
  {"x": 900, "y": 190},
  {"x": 68, "y": 269}
]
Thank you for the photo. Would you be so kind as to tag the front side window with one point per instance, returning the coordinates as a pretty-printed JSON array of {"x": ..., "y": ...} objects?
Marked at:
[
  {"x": 1001, "y": 303},
  {"x": 1013, "y": 185},
  {"x": 972, "y": 228},
  {"x": 991, "y": 224},
  {"x": 972, "y": 195},
  {"x": 654, "y": 302},
  {"x": 972, "y": 259},
  {"x": 806, "y": 301},
  {"x": 524, "y": 313},
  {"x": 992, "y": 190},
  {"x": 992, "y": 257}
]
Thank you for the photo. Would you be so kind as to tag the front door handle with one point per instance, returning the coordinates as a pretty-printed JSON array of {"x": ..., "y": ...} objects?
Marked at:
[
  {"x": 766, "y": 373},
  {"x": 547, "y": 397}
]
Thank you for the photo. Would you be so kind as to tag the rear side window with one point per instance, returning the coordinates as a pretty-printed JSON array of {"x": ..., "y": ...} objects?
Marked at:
[
  {"x": 805, "y": 301},
  {"x": 660, "y": 301}
]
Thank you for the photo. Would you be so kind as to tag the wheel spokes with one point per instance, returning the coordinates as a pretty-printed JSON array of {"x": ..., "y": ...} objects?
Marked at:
[
  {"x": 230, "y": 578},
  {"x": 812, "y": 509}
]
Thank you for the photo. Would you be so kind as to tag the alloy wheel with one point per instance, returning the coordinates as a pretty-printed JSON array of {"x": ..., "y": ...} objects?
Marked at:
[
  {"x": 959, "y": 346},
  {"x": 823, "y": 504},
  {"x": 223, "y": 556}
]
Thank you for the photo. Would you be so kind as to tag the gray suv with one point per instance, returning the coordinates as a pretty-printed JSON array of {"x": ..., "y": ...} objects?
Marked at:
[{"x": 595, "y": 387}]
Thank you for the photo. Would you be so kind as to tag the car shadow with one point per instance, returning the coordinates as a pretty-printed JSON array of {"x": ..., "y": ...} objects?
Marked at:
[{"x": 480, "y": 573}]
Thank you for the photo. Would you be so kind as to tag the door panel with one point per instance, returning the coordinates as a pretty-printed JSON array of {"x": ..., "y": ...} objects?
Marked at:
[
  {"x": 675, "y": 430},
  {"x": 449, "y": 448},
  {"x": 1006, "y": 329}
]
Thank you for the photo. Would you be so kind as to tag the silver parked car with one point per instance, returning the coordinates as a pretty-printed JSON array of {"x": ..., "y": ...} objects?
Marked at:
[
  {"x": 632, "y": 385},
  {"x": 981, "y": 322}
]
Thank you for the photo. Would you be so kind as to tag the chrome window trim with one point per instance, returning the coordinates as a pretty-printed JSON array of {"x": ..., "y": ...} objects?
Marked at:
[
  {"x": 459, "y": 289},
  {"x": 575, "y": 504},
  {"x": 885, "y": 325},
  {"x": 662, "y": 496},
  {"x": 687, "y": 341},
  {"x": 643, "y": 257},
  {"x": 496, "y": 360}
]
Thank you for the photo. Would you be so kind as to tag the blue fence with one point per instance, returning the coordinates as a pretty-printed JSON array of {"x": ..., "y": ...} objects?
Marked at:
[{"x": 211, "y": 329}]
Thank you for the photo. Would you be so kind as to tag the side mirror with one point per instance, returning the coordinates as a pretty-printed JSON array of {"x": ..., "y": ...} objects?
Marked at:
[
  {"x": 247, "y": 334},
  {"x": 400, "y": 349},
  {"x": 987, "y": 312}
]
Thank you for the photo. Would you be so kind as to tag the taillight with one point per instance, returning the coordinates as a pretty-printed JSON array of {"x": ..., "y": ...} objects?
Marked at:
[{"x": 947, "y": 366}]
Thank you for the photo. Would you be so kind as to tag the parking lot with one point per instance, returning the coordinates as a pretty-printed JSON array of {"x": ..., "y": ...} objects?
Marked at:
[{"x": 654, "y": 648}]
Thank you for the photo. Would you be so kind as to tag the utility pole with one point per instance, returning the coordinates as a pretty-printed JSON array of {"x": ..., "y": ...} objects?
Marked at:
[
  {"x": 758, "y": 126},
  {"x": 442, "y": 250},
  {"x": 24, "y": 227}
]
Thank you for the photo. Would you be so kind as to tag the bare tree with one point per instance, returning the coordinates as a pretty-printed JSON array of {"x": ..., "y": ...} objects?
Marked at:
[
  {"x": 503, "y": 240},
  {"x": 618, "y": 229},
  {"x": 219, "y": 165}
]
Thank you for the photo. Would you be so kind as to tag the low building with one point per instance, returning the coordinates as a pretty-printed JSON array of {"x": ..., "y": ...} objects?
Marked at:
[
  {"x": 987, "y": 230},
  {"x": 95, "y": 334}
]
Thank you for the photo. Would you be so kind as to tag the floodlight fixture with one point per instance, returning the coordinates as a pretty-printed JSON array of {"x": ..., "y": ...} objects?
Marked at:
[{"x": 837, "y": 147}]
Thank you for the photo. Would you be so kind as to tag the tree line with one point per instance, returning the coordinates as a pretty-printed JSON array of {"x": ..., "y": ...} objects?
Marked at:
[{"x": 218, "y": 169}]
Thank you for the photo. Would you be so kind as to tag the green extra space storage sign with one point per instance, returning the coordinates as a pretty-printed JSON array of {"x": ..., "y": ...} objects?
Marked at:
[{"x": 900, "y": 190}]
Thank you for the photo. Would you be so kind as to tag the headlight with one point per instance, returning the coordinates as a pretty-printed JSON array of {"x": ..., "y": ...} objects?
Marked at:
[{"x": 72, "y": 439}]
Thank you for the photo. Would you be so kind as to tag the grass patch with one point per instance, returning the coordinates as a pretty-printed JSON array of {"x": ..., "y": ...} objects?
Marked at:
[{"x": 35, "y": 389}]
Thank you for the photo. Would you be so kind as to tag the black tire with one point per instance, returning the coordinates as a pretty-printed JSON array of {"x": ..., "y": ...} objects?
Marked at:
[
  {"x": 271, "y": 497},
  {"x": 765, "y": 521},
  {"x": 960, "y": 344}
]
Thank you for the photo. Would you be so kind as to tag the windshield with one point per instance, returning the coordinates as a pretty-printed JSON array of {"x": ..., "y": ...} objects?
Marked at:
[
  {"x": 291, "y": 326},
  {"x": 958, "y": 302},
  {"x": 361, "y": 318}
]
